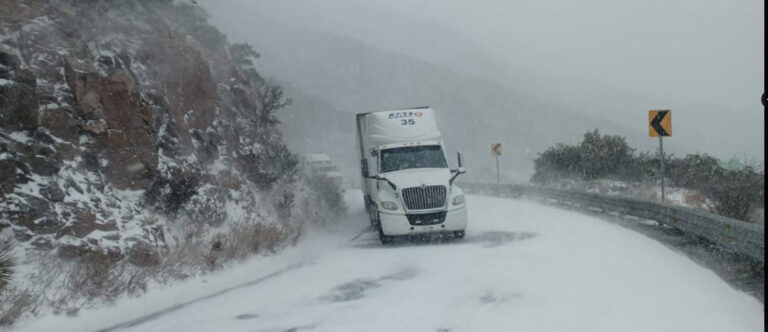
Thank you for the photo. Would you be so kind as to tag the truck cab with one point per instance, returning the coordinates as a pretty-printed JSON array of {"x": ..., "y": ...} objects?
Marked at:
[
  {"x": 407, "y": 186},
  {"x": 321, "y": 164}
]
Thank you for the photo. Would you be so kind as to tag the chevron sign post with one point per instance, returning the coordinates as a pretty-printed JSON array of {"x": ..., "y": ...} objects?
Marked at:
[
  {"x": 496, "y": 149},
  {"x": 660, "y": 125}
]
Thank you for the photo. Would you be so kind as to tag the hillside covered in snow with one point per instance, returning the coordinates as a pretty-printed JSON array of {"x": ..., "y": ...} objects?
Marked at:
[{"x": 136, "y": 144}]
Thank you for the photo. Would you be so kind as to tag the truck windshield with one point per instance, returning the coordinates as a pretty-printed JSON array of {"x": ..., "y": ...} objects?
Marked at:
[{"x": 412, "y": 157}]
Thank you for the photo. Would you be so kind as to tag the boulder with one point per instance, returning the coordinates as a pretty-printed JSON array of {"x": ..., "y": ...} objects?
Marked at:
[
  {"x": 41, "y": 136},
  {"x": 85, "y": 86},
  {"x": 84, "y": 222},
  {"x": 9, "y": 60},
  {"x": 73, "y": 251},
  {"x": 70, "y": 183},
  {"x": 95, "y": 127},
  {"x": 45, "y": 166},
  {"x": 30, "y": 210},
  {"x": 112, "y": 236},
  {"x": 42, "y": 243},
  {"x": 22, "y": 235},
  {"x": 52, "y": 192},
  {"x": 7, "y": 176},
  {"x": 61, "y": 123},
  {"x": 66, "y": 152},
  {"x": 49, "y": 224},
  {"x": 91, "y": 161},
  {"x": 19, "y": 102},
  {"x": 130, "y": 140}
]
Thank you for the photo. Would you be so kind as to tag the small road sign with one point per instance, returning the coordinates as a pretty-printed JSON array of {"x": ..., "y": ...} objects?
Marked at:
[
  {"x": 496, "y": 149},
  {"x": 659, "y": 123}
]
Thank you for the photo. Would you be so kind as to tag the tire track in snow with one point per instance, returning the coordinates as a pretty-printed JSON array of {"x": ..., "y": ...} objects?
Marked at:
[{"x": 157, "y": 314}]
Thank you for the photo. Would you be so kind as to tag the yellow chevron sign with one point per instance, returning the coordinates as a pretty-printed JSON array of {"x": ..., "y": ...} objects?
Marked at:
[
  {"x": 496, "y": 149},
  {"x": 659, "y": 123}
]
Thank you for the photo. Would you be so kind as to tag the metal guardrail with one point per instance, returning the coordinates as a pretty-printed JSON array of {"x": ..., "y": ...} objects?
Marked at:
[{"x": 727, "y": 233}]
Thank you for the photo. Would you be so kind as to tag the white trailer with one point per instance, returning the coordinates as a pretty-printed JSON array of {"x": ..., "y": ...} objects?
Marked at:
[{"x": 407, "y": 186}]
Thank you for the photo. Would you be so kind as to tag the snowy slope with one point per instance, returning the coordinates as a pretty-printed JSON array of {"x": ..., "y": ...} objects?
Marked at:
[{"x": 523, "y": 266}]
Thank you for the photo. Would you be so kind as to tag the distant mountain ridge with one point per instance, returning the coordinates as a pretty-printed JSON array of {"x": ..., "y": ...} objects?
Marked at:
[{"x": 355, "y": 77}]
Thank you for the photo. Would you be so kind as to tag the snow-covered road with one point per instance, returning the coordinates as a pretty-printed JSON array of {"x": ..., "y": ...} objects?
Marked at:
[{"x": 522, "y": 267}]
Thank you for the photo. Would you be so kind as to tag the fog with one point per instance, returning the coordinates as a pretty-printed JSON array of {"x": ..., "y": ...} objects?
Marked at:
[{"x": 591, "y": 64}]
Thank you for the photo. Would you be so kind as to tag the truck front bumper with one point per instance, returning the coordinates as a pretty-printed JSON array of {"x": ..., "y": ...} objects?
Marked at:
[{"x": 398, "y": 224}]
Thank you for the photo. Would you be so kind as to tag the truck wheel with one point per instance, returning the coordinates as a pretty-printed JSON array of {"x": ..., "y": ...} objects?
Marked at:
[
  {"x": 385, "y": 239},
  {"x": 367, "y": 203},
  {"x": 458, "y": 234},
  {"x": 373, "y": 215}
]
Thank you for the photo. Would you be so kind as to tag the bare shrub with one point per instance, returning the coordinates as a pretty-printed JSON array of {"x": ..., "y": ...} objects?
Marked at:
[
  {"x": 228, "y": 180},
  {"x": 96, "y": 276},
  {"x": 185, "y": 256},
  {"x": 170, "y": 192},
  {"x": 16, "y": 302},
  {"x": 6, "y": 264},
  {"x": 245, "y": 239},
  {"x": 323, "y": 204},
  {"x": 696, "y": 199}
]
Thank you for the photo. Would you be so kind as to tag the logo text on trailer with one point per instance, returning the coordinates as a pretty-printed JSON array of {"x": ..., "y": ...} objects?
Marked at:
[
  {"x": 405, "y": 118},
  {"x": 400, "y": 115}
]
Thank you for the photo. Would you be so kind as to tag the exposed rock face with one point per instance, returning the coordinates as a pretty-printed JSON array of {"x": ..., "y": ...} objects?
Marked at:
[
  {"x": 18, "y": 95},
  {"x": 52, "y": 192},
  {"x": 61, "y": 123},
  {"x": 99, "y": 116},
  {"x": 7, "y": 176},
  {"x": 129, "y": 141}
]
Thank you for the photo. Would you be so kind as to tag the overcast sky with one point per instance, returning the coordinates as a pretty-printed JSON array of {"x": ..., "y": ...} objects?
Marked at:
[{"x": 703, "y": 59}]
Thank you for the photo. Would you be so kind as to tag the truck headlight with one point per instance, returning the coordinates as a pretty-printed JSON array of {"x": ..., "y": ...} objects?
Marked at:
[
  {"x": 389, "y": 205},
  {"x": 458, "y": 200}
]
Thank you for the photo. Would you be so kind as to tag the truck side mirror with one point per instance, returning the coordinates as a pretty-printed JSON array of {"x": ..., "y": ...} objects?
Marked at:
[
  {"x": 364, "y": 167},
  {"x": 383, "y": 177},
  {"x": 458, "y": 170}
]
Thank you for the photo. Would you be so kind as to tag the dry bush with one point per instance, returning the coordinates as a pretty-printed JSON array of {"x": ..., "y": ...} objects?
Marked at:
[
  {"x": 6, "y": 264},
  {"x": 14, "y": 303},
  {"x": 97, "y": 276},
  {"x": 66, "y": 287},
  {"x": 695, "y": 198},
  {"x": 244, "y": 239},
  {"x": 182, "y": 260},
  {"x": 228, "y": 180}
]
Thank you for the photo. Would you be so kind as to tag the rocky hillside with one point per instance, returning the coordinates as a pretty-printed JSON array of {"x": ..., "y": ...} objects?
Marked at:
[{"x": 128, "y": 126}]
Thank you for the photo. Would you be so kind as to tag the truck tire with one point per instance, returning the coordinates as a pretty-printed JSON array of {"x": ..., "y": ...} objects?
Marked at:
[
  {"x": 458, "y": 234},
  {"x": 385, "y": 239},
  {"x": 373, "y": 215}
]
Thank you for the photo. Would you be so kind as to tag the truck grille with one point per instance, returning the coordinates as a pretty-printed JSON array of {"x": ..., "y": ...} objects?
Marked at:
[
  {"x": 424, "y": 198},
  {"x": 426, "y": 218}
]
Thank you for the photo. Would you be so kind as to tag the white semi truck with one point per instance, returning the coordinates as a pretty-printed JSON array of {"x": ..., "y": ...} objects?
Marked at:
[{"x": 407, "y": 186}]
